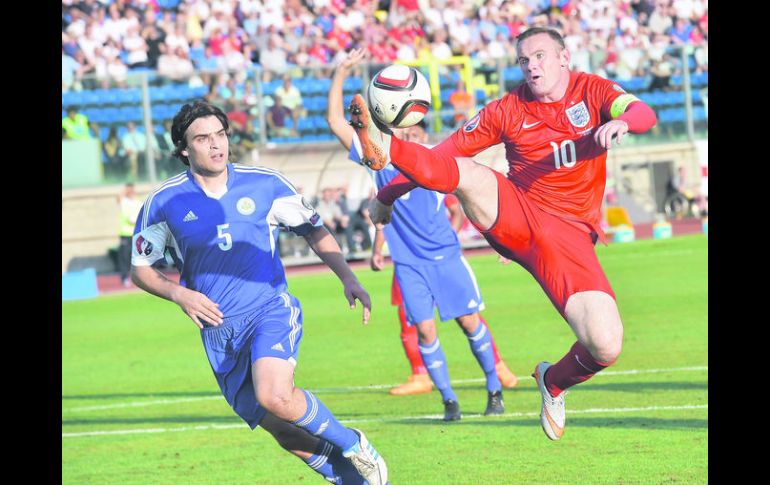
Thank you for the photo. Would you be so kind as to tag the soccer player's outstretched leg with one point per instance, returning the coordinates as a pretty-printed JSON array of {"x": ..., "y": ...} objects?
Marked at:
[
  {"x": 545, "y": 214},
  {"x": 233, "y": 287},
  {"x": 429, "y": 269}
]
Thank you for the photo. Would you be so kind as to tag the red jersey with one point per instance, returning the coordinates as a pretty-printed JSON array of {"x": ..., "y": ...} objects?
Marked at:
[{"x": 550, "y": 149}]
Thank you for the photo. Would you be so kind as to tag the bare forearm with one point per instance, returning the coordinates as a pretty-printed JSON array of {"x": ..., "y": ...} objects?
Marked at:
[
  {"x": 335, "y": 112},
  {"x": 153, "y": 281},
  {"x": 379, "y": 241},
  {"x": 326, "y": 247}
]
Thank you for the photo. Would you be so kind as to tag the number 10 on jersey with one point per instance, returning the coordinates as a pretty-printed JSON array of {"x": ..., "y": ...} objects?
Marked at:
[{"x": 564, "y": 154}]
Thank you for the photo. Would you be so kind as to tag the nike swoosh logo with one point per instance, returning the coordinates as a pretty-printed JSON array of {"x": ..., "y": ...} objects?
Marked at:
[{"x": 525, "y": 125}]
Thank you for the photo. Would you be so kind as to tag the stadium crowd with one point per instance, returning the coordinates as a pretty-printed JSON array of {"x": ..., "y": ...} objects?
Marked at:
[{"x": 104, "y": 40}]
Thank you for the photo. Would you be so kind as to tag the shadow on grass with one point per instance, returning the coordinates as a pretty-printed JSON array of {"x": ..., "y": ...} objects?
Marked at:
[
  {"x": 598, "y": 385},
  {"x": 220, "y": 419},
  {"x": 148, "y": 395},
  {"x": 636, "y": 422}
]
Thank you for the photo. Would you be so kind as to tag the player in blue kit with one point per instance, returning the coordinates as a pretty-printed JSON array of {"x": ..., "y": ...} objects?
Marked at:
[
  {"x": 221, "y": 221},
  {"x": 429, "y": 267}
]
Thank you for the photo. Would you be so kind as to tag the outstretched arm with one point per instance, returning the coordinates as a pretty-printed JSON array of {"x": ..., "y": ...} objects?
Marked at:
[
  {"x": 335, "y": 111},
  {"x": 326, "y": 247}
]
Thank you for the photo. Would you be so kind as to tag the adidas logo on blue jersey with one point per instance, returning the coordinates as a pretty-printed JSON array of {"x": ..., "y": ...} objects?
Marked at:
[
  {"x": 436, "y": 364},
  {"x": 472, "y": 304},
  {"x": 278, "y": 347},
  {"x": 190, "y": 217}
]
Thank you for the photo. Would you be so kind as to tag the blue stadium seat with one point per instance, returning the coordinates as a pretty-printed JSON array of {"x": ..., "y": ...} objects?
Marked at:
[
  {"x": 513, "y": 74},
  {"x": 71, "y": 98},
  {"x": 111, "y": 114},
  {"x": 129, "y": 96},
  {"x": 90, "y": 98},
  {"x": 95, "y": 115},
  {"x": 104, "y": 132},
  {"x": 699, "y": 113},
  {"x": 700, "y": 79},
  {"x": 676, "y": 80},
  {"x": 352, "y": 84}
]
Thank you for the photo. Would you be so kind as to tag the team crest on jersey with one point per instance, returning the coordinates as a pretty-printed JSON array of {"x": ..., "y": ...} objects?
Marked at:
[
  {"x": 246, "y": 206},
  {"x": 143, "y": 246},
  {"x": 472, "y": 123},
  {"x": 578, "y": 115}
]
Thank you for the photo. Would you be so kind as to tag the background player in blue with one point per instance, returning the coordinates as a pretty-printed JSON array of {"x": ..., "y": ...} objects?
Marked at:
[
  {"x": 428, "y": 265},
  {"x": 221, "y": 221}
]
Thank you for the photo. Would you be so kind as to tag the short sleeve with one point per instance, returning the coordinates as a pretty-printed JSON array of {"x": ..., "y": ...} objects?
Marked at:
[{"x": 481, "y": 131}]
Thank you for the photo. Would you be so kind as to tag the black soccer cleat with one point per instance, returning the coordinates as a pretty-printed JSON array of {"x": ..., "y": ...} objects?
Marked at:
[
  {"x": 452, "y": 410},
  {"x": 495, "y": 404}
]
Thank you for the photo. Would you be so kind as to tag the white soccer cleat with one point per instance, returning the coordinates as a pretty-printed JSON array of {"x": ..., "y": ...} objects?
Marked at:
[
  {"x": 374, "y": 137},
  {"x": 368, "y": 462},
  {"x": 552, "y": 416}
]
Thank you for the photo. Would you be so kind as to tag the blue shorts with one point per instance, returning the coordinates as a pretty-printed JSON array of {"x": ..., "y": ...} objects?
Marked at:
[
  {"x": 271, "y": 331},
  {"x": 451, "y": 286}
]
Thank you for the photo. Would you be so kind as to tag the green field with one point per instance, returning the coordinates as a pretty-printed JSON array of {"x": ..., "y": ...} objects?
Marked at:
[{"x": 140, "y": 404}]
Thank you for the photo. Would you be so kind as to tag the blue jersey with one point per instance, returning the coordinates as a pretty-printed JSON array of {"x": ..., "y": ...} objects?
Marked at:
[
  {"x": 420, "y": 231},
  {"x": 224, "y": 244}
]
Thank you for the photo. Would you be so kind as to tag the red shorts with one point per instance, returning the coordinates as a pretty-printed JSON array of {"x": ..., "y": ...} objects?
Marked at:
[{"x": 558, "y": 254}]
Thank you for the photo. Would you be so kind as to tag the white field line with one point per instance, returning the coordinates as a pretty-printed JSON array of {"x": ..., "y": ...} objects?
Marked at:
[
  {"x": 429, "y": 417},
  {"x": 356, "y": 388}
]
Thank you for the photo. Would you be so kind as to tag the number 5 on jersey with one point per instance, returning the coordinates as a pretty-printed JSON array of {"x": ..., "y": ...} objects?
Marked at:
[
  {"x": 564, "y": 153},
  {"x": 225, "y": 246}
]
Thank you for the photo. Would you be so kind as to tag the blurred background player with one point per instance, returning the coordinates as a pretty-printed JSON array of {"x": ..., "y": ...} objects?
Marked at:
[
  {"x": 557, "y": 128},
  {"x": 129, "y": 211},
  {"x": 222, "y": 221},
  {"x": 429, "y": 266},
  {"x": 419, "y": 381}
]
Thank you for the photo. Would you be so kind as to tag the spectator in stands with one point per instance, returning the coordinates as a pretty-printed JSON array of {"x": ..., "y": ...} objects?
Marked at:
[
  {"x": 661, "y": 72},
  {"x": 331, "y": 214},
  {"x": 462, "y": 103},
  {"x": 135, "y": 144},
  {"x": 129, "y": 211},
  {"x": 76, "y": 125},
  {"x": 166, "y": 160},
  {"x": 70, "y": 71},
  {"x": 273, "y": 58},
  {"x": 175, "y": 65},
  {"x": 361, "y": 224},
  {"x": 276, "y": 118},
  {"x": 117, "y": 72},
  {"x": 291, "y": 98},
  {"x": 136, "y": 47},
  {"x": 114, "y": 156},
  {"x": 154, "y": 39}
]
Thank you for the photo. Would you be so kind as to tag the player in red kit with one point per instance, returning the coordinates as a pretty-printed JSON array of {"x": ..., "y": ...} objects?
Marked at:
[{"x": 545, "y": 213}]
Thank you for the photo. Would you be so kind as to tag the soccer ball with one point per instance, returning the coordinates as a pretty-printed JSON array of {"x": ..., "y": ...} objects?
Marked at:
[{"x": 399, "y": 96}]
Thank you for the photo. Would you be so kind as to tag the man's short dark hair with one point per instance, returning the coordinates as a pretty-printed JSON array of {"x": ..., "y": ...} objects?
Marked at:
[
  {"x": 542, "y": 30},
  {"x": 185, "y": 117}
]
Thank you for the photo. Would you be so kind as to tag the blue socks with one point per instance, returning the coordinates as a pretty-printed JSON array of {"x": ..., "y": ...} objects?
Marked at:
[
  {"x": 319, "y": 421},
  {"x": 435, "y": 362},
  {"x": 481, "y": 346},
  {"x": 330, "y": 464}
]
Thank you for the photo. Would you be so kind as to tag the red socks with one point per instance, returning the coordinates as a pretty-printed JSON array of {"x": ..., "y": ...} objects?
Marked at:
[
  {"x": 431, "y": 169},
  {"x": 409, "y": 340},
  {"x": 575, "y": 367}
]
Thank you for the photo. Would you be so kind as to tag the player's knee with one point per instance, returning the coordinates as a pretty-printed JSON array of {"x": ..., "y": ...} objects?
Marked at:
[
  {"x": 275, "y": 400},
  {"x": 426, "y": 333},
  {"x": 606, "y": 350}
]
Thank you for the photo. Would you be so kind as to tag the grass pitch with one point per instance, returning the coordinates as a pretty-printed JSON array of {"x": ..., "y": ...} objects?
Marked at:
[{"x": 140, "y": 404}]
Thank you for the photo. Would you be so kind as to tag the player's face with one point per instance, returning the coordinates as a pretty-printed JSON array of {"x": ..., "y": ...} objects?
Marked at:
[
  {"x": 207, "y": 146},
  {"x": 545, "y": 66},
  {"x": 414, "y": 134}
]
